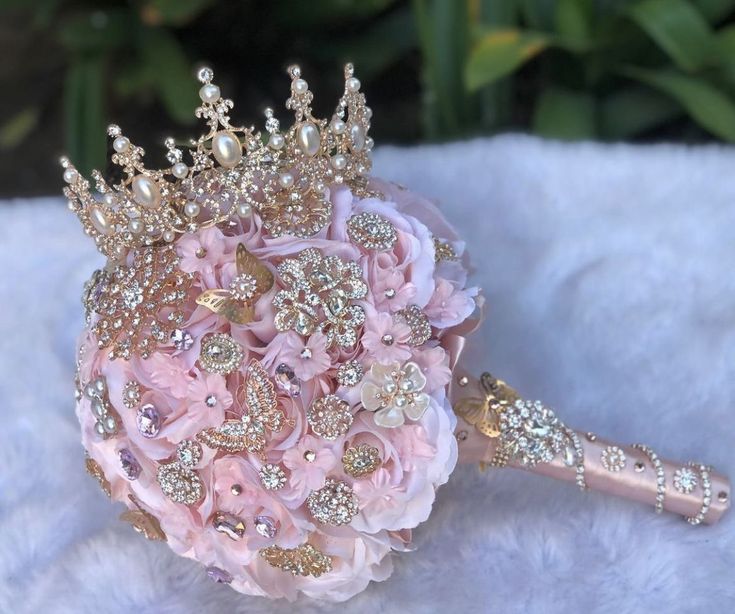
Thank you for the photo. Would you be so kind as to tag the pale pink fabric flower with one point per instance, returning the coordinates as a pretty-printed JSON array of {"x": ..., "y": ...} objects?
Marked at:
[
  {"x": 385, "y": 339},
  {"x": 449, "y": 305},
  {"x": 201, "y": 252},
  {"x": 390, "y": 290},
  {"x": 309, "y": 462},
  {"x": 307, "y": 357},
  {"x": 434, "y": 363}
]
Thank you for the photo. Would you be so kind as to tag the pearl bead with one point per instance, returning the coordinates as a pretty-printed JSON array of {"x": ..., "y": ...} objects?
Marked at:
[
  {"x": 300, "y": 86},
  {"x": 108, "y": 199},
  {"x": 368, "y": 112},
  {"x": 352, "y": 84},
  {"x": 118, "y": 253},
  {"x": 339, "y": 162},
  {"x": 244, "y": 210},
  {"x": 192, "y": 209},
  {"x": 98, "y": 408},
  {"x": 209, "y": 93},
  {"x": 276, "y": 141},
  {"x": 309, "y": 140},
  {"x": 226, "y": 149},
  {"x": 169, "y": 236},
  {"x": 286, "y": 180},
  {"x": 70, "y": 175},
  {"x": 135, "y": 226},
  {"x": 100, "y": 385},
  {"x": 369, "y": 143},
  {"x": 179, "y": 170},
  {"x": 99, "y": 428},
  {"x": 357, "y": 135},
  {"x": 99, "y": 221},
  {"x": 338, "y": 126},
  {"x": 110, "y": 424},
  {"x": 146, "y": 192},
  {"x": 121, "y": 144}
]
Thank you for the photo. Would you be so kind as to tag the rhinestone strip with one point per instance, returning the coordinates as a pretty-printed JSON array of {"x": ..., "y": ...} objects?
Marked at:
[
  {"x": 578, "y": 457},
  {"x": 704, "y": 472},
  {"x": 660, "y": 475}
]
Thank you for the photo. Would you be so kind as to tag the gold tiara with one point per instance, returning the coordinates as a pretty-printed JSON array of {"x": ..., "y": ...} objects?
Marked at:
[{"x": 231, "y": 171}]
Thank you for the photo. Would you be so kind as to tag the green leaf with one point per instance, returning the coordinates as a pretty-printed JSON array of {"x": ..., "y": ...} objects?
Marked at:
[
  {"x": 565, "y": 114},
  {"x": 538, "y": 14},
  {"x": 497, "y": 12},
  {"x": 714, "y": 10},
  {"x": 499, "y": 53},
  {"x": 706, "y": 104},
  {"x": 384, "y": 43},
  {"x": 725, "y": 46},
  {"x": 98, "y": 31},
  {"x": 174, "y": 76},
  {"x": 17, "y": 128},
  {"x": 176, "y": 12},
  {"x": 678, "y": 28},
  {"x": 84, "y": 110},
  {"x": 634, "y": 110},
  {"x": 304, "y": 14},
  {"x": 443, "y": 31},
  {"x": 573, "y": 21}
]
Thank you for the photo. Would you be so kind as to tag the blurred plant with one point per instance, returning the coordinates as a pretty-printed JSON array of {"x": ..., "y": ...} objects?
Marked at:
[
  {"x": 436, "y": 69},
  {"x": 135, "y": 59},
  {"x": 610, "y": 69}
]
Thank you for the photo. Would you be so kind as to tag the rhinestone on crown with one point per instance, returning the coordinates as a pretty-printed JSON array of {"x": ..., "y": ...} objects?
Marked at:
[{"x": 230, "y": 171}]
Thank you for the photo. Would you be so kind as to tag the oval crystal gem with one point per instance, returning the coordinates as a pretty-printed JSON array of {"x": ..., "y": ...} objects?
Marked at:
[{"x": 148, "y": 420}]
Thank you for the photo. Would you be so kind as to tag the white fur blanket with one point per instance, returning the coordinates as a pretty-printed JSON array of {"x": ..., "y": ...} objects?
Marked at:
[{"x": 609, "y": 276}]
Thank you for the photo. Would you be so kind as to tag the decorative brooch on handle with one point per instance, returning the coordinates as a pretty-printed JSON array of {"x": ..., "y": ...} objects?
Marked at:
[{"x": 496, "y": 427}]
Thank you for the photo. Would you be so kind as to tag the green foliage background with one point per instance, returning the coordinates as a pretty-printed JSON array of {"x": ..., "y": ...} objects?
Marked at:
[{"x": 432, "y": 69}]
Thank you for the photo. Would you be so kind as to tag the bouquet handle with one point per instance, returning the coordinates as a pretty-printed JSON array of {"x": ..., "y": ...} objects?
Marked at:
[{"x": 496, "y": 427}]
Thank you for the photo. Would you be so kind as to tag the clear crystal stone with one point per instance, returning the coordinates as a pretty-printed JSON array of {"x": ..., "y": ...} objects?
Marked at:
[{"x": 181, "y": 339}]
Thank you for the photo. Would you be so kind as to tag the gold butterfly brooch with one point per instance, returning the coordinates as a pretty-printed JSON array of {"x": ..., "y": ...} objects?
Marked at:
[
  {"x": 237, "y": 304},
  {"x": 483, "y": 413},
  {"x": 260, "y": 416}
]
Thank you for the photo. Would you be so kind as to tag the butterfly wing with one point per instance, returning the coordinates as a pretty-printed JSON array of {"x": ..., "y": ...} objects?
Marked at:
[
  {"x": 231, "y": 437},
  {"x": 260, "y": 397},
  {"x": 250, "y": 265},
  {"x": 477, "y": 413},
  {"x": 143, "y": 522},
  {"x": 222, "y": 303},
  {"x": 471, "y": 410}
]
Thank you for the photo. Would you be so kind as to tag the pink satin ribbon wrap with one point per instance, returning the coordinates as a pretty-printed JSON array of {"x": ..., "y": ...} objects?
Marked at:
[{"x": 637, "y": 486}]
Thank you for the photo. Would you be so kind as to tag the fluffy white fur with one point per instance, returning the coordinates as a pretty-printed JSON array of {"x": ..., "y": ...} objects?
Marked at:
[{"x": 609, "y": 277}]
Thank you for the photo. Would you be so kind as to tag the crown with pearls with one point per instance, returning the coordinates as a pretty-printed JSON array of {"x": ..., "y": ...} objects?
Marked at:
[{"x": 231, "y": 171}]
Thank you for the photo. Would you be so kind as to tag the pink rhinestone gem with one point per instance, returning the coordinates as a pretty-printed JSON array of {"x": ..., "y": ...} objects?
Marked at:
[
  {"x": 287, "y": 380},
  {"x": 148, "y": 420}
]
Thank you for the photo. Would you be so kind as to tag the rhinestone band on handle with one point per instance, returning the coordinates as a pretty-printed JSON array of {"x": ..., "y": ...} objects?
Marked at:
[{"x": 498, "y": 428}]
